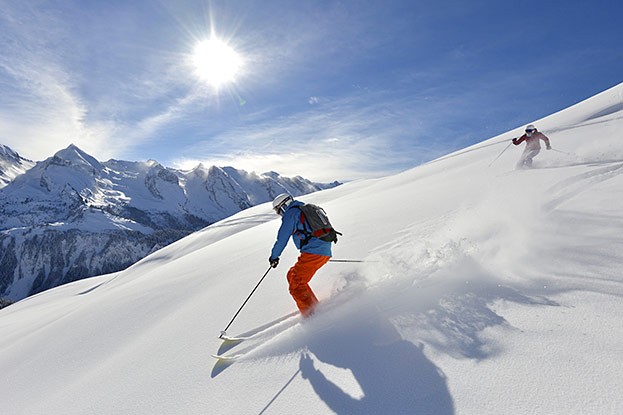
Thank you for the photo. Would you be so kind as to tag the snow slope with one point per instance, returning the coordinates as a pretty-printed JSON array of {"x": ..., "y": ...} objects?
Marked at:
[{"x": 485, "y": 291}]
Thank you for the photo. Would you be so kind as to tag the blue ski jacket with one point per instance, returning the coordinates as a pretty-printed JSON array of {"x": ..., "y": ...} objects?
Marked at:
[{"x": 291, "y": 226}]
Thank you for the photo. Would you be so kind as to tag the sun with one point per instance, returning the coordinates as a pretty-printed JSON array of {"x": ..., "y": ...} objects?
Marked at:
[{"x": 216, "y": 62}]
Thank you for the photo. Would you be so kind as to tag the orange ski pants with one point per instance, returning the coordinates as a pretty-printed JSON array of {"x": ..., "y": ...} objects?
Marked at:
[{"x": 298, "y": 279}]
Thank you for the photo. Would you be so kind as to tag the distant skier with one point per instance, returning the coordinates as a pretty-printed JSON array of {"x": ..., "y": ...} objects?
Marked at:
[
  {"x": 532, "y": 138},
  {"x": 315, "y": 252}
]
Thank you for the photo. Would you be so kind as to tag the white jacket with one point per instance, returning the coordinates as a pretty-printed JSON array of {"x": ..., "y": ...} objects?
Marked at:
[{"x": 533, "y": 141}]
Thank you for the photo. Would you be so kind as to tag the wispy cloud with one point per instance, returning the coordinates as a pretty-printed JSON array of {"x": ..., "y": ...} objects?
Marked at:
[
  {"x": 37, "y": 91},
  {"x": 342, "y": 139},
  {"x": 53, "y": 96}
]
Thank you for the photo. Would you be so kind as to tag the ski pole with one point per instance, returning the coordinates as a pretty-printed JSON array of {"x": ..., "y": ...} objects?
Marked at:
[
  {"x": 563, "y": 152},
  {"x": 505, "y": 148},
  {"x": 224, "y": 332}
]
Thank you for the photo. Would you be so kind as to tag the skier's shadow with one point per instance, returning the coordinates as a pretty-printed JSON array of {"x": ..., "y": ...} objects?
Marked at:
[{"x": 394, "y": 375}]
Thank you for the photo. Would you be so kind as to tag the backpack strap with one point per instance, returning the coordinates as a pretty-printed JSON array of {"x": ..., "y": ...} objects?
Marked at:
[{"x": 308, "y": 235}]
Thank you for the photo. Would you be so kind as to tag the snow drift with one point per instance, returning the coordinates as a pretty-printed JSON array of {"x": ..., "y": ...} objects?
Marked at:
[{"x": 484, "y": 290}]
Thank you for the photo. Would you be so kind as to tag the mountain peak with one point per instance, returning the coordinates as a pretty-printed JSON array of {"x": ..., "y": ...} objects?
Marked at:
[
  {"x": 73, "y": 155},
  {"x": 69, "y": 151},
  {"x": 6, "y": 151},
  {"x": 11, "y": 165},
  {"x": 215, "y": 170}
]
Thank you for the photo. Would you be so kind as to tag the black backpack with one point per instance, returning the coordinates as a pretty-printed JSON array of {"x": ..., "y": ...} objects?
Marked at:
[{"x": 317, "y": 220}]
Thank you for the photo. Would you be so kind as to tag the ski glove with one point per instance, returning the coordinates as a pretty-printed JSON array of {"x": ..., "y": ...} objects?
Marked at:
[{"x": 273, "y": 262}]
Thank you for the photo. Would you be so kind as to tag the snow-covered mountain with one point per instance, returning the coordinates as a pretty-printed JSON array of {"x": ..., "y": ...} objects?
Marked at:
[
  {"x": 71, "y": 217},
  {"x": 484, "y": 290},
  {"x": 11, "y": 165}
]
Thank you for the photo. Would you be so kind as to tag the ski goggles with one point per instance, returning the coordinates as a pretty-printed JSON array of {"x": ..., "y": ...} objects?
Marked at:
[
  {"x": 279, "y": 209},
  {"x": 531, "y": 130}
]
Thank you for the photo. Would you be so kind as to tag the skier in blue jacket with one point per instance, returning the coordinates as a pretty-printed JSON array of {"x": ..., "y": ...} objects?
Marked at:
[{"x": 314, "y": 253}]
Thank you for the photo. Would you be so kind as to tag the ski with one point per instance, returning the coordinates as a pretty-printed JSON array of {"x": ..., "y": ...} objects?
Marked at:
[
  {"x": 263, "y": 341},
  {"x": 233, "y": 339},
  {"x": 226, "y": 358},
  {"x": 262, "y": 331}
]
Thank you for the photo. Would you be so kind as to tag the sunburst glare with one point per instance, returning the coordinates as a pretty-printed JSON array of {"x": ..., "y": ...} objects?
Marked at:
[{"x": 216, "y": 62}]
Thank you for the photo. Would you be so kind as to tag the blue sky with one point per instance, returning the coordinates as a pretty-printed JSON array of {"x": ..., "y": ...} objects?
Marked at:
[{"x": 327, "y": 89}]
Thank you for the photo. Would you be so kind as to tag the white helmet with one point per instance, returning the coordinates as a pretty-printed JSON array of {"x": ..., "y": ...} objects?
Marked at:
[
  {"x": 281, "y": 202},
  {"x": 530, "y": 129}
]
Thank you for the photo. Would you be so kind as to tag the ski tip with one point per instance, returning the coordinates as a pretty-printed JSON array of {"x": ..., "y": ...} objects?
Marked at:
[
  {"x": 226, "y": 358},
  {"x": 225, "y": 337},
  {"x": 231, "y": 339}
]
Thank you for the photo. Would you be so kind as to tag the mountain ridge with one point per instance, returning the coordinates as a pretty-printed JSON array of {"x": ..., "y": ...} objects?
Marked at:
[
  {"x": 91, "y": 209},
  {"x": 11, "y": 165}
]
